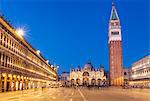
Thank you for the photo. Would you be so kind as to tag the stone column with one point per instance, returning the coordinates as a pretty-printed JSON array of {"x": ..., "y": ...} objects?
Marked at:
[
  {"x": 10, "y": 82},
  {"x": 21, "y": 83},
  {"x": 18, "y": 83},
  {"x": 5, "y": 82},
  {"x": 15, "y": 80},
  {"x": 0, "y": 83},
  {"x": 27, "y": 84}
]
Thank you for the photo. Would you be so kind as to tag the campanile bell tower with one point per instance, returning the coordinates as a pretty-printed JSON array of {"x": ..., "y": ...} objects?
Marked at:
[{"x": 115, "y": 49}]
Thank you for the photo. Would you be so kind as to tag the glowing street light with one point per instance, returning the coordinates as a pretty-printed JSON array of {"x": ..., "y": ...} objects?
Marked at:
[
  {"x": 20, "y": 32},
  {"x": 56, "y": 67},
  {"x": 47, "y": 61},
  {"x": 52, "y": 66},
  {"x": 38, "y": 52}
]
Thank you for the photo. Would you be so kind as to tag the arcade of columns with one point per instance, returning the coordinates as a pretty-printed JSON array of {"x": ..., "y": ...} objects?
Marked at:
[{"x": 21, "y": 66}]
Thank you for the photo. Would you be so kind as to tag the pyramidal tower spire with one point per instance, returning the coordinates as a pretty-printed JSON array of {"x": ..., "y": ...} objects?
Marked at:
[
  {"x": 114, "y": 15},
  {"x": 115, "y": 49}
]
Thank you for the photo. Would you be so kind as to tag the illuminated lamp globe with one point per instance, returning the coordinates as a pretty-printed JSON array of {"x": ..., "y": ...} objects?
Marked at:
[{"x": 20, "y": 32}]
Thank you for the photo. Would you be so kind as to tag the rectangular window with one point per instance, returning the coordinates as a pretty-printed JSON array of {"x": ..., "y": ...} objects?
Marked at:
[{"x": 114, "y": 33}]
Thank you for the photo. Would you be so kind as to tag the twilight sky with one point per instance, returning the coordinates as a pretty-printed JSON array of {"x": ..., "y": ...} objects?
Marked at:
[{"x": 71, "y": 32}]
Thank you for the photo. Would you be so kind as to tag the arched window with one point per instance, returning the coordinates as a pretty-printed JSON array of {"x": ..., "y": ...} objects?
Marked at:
[
  {"x": 85, "y": 74},
  {"x": 125, "y": 73},
  {"x": 93, "y": 81},
  {"x": 78, "y": 81}
]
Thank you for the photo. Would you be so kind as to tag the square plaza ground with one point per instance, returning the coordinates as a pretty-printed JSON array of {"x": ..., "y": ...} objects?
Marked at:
[{"x": 80, "y": 94}]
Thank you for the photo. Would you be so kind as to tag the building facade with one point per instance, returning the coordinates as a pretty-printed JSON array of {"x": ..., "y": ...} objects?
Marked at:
[
  {"x": 126, "y": 73},
  {"x": 64, "y": 78},
  {"x": 115, "y": 49},
  {"x": 21, "y": 66},
  {"x": 140, "y": 73},
  {"x": 87, "y": 76}
]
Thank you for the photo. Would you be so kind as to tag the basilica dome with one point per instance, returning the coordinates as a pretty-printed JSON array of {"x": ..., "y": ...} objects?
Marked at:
[{"x": 88, "y": 66}]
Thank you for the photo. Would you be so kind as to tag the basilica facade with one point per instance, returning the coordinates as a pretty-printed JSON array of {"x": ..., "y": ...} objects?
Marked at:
[{"x": 88, "y": 75}]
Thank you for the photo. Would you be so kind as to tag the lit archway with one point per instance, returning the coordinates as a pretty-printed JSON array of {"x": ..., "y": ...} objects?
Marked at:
[
  {"x": 99, "y": 81},
  {"x": 85, "y": 81},
  {"x": 78, "y": 81},
  {"x": 93, "y": 82},
  {"x": 72, "y": 82}
]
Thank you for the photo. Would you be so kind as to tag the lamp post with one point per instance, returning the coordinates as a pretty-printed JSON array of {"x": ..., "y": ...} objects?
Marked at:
[{"x": 56, "y": 69}]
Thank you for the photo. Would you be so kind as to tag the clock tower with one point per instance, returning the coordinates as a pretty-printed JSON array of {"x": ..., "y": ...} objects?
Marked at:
[{"x": 115, "y": 49}]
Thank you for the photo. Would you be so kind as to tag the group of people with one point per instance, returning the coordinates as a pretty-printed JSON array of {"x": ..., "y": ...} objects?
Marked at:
[
  {"x": 100, "y": 85},
  {"x": 137, "y": 86}
]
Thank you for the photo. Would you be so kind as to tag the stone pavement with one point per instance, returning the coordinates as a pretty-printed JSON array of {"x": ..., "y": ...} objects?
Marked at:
[{"x": 80, "y": 94}]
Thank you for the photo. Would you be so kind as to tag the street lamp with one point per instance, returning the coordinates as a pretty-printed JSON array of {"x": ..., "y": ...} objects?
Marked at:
[
  {"x": 52, "y": 66},
  {"x": 47, "y": 61},
  {"x": 56, "y": 67},
  {"x": 38, "y": 52},
  {"x": 20, "y": 32}
]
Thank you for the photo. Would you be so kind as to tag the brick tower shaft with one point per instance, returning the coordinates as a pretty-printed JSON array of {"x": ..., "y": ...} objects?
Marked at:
[{"x": 115, "y": 49}]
